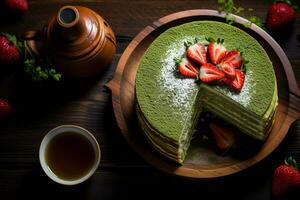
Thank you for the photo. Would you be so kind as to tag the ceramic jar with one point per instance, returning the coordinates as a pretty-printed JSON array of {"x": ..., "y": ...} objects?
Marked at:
[{"x": 77, "y": 41}]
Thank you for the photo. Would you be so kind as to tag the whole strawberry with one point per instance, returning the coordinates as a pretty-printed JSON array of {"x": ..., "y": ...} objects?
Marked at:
[
  {"x": 5, "y": 109},
  {"x": 9, "y": 52},
  {"x": 17, "y": 5},
  {"x": 280, "y": 15},
  {"x": 286, "y": 178}
]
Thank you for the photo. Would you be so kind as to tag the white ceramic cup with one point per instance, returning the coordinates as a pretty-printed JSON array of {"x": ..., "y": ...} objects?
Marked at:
[{"x": 61, "y": 130}]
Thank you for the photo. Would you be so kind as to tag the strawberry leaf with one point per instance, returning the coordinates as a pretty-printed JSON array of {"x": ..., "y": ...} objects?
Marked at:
[
  {"x": 243, "y": 67},
  {"x": 197, "y": 80},
  {"x": 177, "y": 61},
  {"x": 187, "y": 44},
  {"x": 220, "y": 41},
  {"x": 21, "y": 47},
  {"x": 197, "y": 40},
  {"x": 11, "y": 38},
  {"x": 209, "y": 39},
  {"x": 291, "y": 162}
]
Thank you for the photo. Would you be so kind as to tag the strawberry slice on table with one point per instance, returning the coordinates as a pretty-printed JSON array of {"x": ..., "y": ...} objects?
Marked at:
[
  {"x": 234, "y": 58},
  {"x": 186, "y": 69},
  {"x": 197, "y": 53},
  {"x": 227, "y": 69},
  {"x": 237, "y": 82},
  {"x": 216, "y": 52},
  {"x": 209, "y": 73}
]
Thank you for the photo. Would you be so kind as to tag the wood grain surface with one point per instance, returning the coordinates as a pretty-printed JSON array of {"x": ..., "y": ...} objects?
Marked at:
[{"x": 122, "y": 174}]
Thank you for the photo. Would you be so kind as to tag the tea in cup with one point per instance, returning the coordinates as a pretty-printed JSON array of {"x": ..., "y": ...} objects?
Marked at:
[{"x": 69, "y": 154}]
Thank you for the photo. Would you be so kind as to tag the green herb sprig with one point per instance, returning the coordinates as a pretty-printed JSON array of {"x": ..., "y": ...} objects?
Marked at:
[
  {"x": 40, "y": 71},
  {"x": 228, "y": 7},
  {"x": 37, "y": 70}
]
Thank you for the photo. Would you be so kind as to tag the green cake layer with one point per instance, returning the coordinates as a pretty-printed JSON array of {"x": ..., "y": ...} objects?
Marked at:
[{"x": 168, "y": 106}]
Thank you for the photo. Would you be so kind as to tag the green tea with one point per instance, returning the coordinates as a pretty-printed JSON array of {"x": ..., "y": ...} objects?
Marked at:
[{"x": 70, "y": 156}]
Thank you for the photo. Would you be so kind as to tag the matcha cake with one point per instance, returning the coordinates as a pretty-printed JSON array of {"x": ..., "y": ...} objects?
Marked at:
[{"x": 242, "y": 91}]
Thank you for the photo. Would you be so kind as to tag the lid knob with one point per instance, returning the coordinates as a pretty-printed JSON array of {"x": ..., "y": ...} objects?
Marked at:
[
  {"x": 69, "y": 25},
  {"x": 67, "y": 16}
]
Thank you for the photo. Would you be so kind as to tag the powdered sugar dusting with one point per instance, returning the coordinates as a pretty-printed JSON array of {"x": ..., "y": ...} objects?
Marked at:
[{"x": 178, "y": 89}]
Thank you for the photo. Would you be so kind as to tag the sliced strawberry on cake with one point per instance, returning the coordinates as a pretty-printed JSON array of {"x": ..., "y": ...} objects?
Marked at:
[
  {"x": 209, "y": 73},
  {"x": 236, "y": 83},
  {"x": 227, "y": 69},
  {"x": 186, "y": 69},
  {"x": 197, "y": 53},
  {"x": 234, "y": 58},
  {"x": 216, "y": 51}
]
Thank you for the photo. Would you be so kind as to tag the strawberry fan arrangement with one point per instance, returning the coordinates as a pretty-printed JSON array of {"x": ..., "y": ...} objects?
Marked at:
[{"x": 213, "y": 63}]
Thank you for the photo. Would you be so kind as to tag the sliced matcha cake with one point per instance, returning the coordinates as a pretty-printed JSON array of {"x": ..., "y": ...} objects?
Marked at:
[{"x": 236, "y": 82}]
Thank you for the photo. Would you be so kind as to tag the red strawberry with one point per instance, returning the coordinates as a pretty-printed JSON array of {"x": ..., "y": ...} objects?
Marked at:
[
  {"x": 286, "y": 178},
  {"x": 209, "y": 73},
  {"x": 234, "y": 58},
  {"x": 185, "y": 68},
  {"x": 227, "y": 69},
  {"x": 236, "y": 83},
  {"x": 8, "y": 50},
  {"x": 5, "y": 108},
  {"x": 280, "y": 15},
  {"x": 216, "y": 52},
  {"x": 19, "y": 5},
  {"x": 197, "y": 53},
  {"x": 223, "y": 136}
]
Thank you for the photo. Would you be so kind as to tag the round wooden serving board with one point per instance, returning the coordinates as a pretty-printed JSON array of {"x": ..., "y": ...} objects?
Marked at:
[{"x": 203, "y": 163}]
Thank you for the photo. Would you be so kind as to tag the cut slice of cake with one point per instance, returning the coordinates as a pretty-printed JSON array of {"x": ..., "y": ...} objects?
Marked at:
[{"x": 169, "y": 105}]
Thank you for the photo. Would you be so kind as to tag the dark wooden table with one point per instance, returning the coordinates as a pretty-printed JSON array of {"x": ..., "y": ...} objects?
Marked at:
[{"x": 122, "y": 174}]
